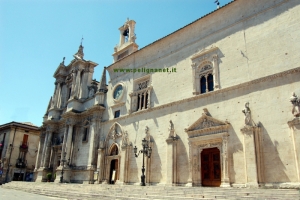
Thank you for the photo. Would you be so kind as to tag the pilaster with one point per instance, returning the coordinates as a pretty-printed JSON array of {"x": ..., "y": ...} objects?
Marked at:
[
  {"x": 171, "y": 161},
  {"x": 250, "y": 156}
]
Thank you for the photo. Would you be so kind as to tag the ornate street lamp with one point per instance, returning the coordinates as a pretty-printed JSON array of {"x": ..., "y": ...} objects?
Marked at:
[
  {"x": 62, "y": 169},
  {"x": 146, "y": 152}
]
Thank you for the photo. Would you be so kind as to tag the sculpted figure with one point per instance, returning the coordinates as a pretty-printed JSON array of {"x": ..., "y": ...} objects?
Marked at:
[
  {"x": 296, "y": 105},
  {"x": 147, "y": 134},
  {"x": 205, "y": 123},
  {"x": 172, "y": 130},
  {"x": 247, "y": 114}
]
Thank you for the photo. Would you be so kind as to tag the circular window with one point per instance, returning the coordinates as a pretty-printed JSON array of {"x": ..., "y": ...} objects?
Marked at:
[{"x": 118, "y": 92}]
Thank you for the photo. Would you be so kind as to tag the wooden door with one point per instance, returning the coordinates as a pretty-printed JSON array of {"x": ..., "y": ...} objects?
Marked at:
[{"x": 211, "y": 167}]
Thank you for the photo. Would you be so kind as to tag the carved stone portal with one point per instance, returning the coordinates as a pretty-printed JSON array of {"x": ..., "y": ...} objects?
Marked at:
[{"x": 208, "y": 132}]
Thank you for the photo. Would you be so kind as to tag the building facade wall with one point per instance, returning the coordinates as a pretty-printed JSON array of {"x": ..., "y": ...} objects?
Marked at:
[{"x": 251, "y": 50}]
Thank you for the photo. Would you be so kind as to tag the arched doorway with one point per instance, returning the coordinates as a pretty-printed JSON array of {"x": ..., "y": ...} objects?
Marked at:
[
  {"x": 114, "y": 165},
  {"x": 211, "y": 167}
]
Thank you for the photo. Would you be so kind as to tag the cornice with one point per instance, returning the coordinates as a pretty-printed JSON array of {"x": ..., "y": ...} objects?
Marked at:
[
  {"x": 118, "y": 105},
  {"x": 200, "y": 96},
  {"x": 204, "y": 51}
]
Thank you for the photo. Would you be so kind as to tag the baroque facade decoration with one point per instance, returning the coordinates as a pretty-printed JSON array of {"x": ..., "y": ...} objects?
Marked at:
[{"x": 212, "y": 100}]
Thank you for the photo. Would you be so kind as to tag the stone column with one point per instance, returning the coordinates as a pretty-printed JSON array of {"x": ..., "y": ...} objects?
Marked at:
[
  {"x": 100, "y": 164},
  {"x": 206, "y": 83},
  {"x": 140, "y": 101},
  {"x": 73, "y": 85},
  {"x": 40, "y": 151},
  {"x": 63, "y": 148},
  {"x": 171, "y": 160},
  {"x": 84, "y": 91},
  {"x": 77, "y": 84},
  {"x": 58, "y": 96},
  {"x": 48, "y": 149},
  {"x": 91, "y": 141},
  {"x": 216, "y": 72},
  {"x": 54, "y": 96},
  {"x": 224, "y": 162},
  {"x": 69, "y": 141},
  {"x": 189, "y": 181},
  {"x": 194, "y": 77},
  {"x": 122, "y": 165}
]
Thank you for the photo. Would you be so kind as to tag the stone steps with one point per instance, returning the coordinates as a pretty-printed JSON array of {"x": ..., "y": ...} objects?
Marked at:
[{"x": 80, "y": 191}]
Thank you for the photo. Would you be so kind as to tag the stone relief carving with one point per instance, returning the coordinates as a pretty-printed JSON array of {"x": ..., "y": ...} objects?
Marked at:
[
  {"x": 125, "y": 139},
  {"x": 295, "y": 100},
  {"x": 115, "y": 134},
  {"x": 247, "y": 113},
  {"x": 206, "y": 123}
]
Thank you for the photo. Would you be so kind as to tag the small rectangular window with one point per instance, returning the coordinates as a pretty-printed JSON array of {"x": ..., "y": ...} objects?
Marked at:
[{"x": 117, "y": 113}]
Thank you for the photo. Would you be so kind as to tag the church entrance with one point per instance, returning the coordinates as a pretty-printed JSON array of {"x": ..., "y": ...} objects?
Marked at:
[
  {"x": 211, "y": 167},
  {"x": 113, "y": 171}
]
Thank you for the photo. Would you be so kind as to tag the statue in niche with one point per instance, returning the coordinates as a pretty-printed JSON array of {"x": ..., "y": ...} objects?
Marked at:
[
  {"x": 148, "y": 138},
  {"x": 296, "y": 105},
  {"x": 172, "y": 130},
  {"x": 247, "y": 113},
  {"x": 91, "y": 92}
]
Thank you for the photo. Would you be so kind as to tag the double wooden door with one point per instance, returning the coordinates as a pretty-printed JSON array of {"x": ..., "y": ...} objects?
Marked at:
[{"x": 211, "y": 167}]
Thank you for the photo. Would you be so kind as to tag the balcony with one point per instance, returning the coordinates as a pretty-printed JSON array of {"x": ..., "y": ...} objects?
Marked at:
[
  {"x": 20, "y": 163},
  {"x": 23, "y": 147}
]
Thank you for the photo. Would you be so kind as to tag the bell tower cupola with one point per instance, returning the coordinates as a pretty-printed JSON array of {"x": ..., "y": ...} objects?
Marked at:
[{"x": 127, "y": 43}]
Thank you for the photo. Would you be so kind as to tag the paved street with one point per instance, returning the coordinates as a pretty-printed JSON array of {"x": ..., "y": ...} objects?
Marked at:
[{"x": 10, "y": 194}]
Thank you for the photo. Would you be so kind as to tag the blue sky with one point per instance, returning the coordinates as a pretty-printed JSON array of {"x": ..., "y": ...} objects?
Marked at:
[{"x": 36, "y": 35}]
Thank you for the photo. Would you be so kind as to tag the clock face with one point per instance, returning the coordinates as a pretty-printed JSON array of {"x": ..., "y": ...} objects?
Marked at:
[{"x": 118, "y": 92}]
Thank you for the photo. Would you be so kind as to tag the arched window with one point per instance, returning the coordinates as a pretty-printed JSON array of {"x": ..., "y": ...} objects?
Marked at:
[
  {"x": 203, "y": 84},
  {"x": 210, "y": 82}
]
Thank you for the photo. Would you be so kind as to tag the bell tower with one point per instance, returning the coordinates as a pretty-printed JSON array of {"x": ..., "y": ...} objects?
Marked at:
[{"x": 127, "y": 43}]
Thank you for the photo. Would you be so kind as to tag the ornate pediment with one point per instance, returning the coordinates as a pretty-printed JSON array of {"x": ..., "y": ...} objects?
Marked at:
[
  {"x": 206, "y": 125},
  {"x": 115, "y": 132}
]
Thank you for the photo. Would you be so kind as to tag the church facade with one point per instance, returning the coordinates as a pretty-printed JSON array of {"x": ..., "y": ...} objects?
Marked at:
[{"x": 214, "y": 103}]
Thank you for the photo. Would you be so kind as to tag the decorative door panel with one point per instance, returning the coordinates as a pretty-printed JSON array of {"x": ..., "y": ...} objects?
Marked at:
[{"x": 210, "y": 167}]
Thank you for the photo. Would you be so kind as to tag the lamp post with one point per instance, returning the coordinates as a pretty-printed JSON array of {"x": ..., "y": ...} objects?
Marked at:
[
  {"x": 146, "y": 151},
  {"x": 62, "y": 169}
]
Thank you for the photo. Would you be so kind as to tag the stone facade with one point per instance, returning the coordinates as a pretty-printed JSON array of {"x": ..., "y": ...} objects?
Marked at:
[
  {"x": 19, "y": 143},
  {"x": 213, "y": 101}
]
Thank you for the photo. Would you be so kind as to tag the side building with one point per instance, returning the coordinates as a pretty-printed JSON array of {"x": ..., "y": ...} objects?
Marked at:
[
  {"x": 214, "y": 103},
  {"x": 18, "y": 150}
]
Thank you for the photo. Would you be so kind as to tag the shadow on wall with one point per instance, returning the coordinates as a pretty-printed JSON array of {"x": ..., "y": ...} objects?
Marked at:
[
  {"x": 235, "y": 146},
  {"x": 182, "y": 162},
  {"x": 274, "y": 167},
  {"x": 156, "y": 165}
]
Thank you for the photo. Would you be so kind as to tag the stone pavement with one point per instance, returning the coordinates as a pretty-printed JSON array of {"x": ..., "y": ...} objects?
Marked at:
[
  {"x": 103, "y": 192},
  {"x": 11, "y": 194}
]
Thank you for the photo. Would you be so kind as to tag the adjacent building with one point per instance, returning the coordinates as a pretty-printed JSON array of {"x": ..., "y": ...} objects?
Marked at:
[
  {"x": 18, "y": 150},
  {"x": 216, "y": 102}
]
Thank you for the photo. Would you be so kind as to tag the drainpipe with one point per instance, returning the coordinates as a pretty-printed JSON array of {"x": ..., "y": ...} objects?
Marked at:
[{"x": 12, "y": 146}]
